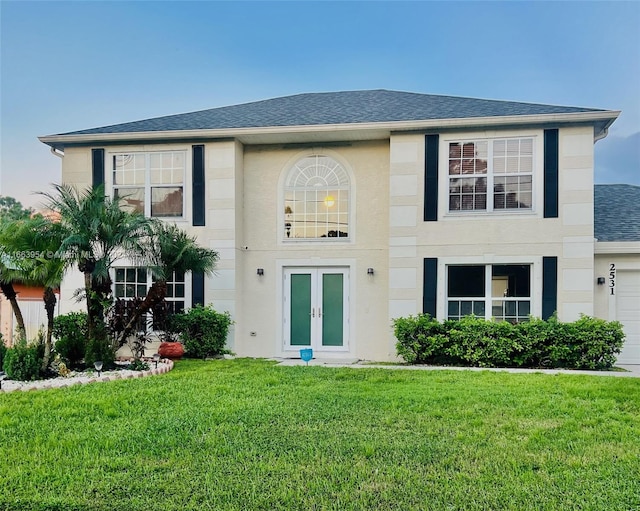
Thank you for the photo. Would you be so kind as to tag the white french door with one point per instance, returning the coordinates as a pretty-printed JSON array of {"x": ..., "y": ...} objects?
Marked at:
[{"x": 316, "y": 308}]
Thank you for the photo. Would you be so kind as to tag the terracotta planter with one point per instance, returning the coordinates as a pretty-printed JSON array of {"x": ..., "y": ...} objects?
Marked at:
[{"x": 172, "y": 350}]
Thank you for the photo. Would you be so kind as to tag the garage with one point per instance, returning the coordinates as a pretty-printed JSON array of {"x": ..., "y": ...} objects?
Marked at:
[{"x": 628, "y": 313}]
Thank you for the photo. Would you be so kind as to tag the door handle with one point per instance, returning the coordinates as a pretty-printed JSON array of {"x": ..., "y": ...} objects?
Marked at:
[
  {"x": 319, "y": 312},
  {"x": 312, "y": 313}
]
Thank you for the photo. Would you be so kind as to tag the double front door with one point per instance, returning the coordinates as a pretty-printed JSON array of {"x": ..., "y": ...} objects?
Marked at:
[{"x": 316, "y": 308}]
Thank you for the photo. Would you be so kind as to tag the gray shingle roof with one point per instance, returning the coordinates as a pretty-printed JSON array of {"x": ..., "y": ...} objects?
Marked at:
[
  {"x": 349, "y": 107},
  {"x": 617, "y": 212}
]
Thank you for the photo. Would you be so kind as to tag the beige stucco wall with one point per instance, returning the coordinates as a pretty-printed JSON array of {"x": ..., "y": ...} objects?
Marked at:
[
  {"x": 243, "y": 201},
  {"x": 76, "y": 171},
  {"x": 625, "y": 256},
  {"x": 264, "y": 247},
  {"x": 575, "y": 266},
  {"x": 485, "y": 238},
  {"x": 245, "y": 219}
]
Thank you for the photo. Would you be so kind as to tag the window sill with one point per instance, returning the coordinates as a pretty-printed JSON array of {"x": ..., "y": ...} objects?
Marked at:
[
  {"x": 456, "y": 215},
  {"x": 323, "y": 241},
  {"x": 174, "y": 219}
]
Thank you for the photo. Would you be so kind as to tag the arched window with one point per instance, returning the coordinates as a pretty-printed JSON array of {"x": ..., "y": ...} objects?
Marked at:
[{"x": 316, "y": 199}]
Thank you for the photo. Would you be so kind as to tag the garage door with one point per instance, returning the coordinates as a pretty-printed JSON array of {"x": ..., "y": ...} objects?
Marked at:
[{"x": 628, "y": 313}]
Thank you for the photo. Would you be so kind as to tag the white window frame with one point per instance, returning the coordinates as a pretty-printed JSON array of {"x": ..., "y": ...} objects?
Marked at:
[
  {"x": 535, "y": 276},
  {"x": 284, "y": 187},
  {"x": 149, "y": 281},
  {"x": 490, "y": 139},
  {"x": 488, "y": 297},
  {"x": 148, "y": 186}
]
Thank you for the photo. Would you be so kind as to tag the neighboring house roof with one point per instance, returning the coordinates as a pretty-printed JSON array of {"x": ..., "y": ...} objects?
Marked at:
[
  {"x": 617, "y": 213},
  {"x": 393, "y": 109}
]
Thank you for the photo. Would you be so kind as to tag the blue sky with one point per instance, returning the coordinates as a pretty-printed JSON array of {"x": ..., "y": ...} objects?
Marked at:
[{"x": 75, "y": 65}]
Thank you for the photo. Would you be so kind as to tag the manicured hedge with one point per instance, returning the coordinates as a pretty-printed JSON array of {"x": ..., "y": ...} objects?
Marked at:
[{"x": 588, "y": 343}]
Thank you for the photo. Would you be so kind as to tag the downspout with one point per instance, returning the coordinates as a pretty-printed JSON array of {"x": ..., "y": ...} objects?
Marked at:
[
  {"x": 605, "y": 129},
  {"x": 601, "y": 135},
  {"x": 59, "y": 154}
]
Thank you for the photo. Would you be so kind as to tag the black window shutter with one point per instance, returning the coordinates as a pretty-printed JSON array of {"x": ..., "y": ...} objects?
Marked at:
[
  {"x": 97, "y": 167},
  {"x": 551, "y": 173},
  {"x": 430, "y": 284},
  {"x": 549, "y": 286},
  {"x": 197, "y": 289},
  {"x": 198, "y": 185},
  {"x": 431, "y": 178}
]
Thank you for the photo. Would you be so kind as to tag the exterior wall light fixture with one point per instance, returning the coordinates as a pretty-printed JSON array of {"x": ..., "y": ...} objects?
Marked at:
[
  {"x": 260, "y": 271},
  {"x": 369, "y": 271},
  {"x": 601, "y": 281}
]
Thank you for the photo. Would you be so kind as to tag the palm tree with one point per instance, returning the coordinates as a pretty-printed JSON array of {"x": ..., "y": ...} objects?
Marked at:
[
  {"x": 7, "y": 278},
  {"x": 96, "y": 233},
  {"x": 40, "y": 238},
  {"x": 11, "y": 210},
  {"x": 168, "y": 250}
]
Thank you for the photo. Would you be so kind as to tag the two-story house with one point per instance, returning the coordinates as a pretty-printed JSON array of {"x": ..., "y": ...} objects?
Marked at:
[{"x": 335, "y": 212}]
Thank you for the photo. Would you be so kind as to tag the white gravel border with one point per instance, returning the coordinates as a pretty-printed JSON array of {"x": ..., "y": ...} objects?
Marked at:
[{"x": 164, "y": 366}]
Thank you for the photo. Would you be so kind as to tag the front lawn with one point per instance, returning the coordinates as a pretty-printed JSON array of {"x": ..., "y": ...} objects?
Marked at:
[{"x": 246, "y": 434}]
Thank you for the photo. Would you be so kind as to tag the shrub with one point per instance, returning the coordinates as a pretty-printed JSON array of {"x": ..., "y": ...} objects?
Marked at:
[
  {"x": 138, "y": 365},
  {"x": 21, "y": 362},
  {"x": 535, "y": 337},
  {"x": 203, "y": 331},
  {"x": 100, "y": 349},
  {"x": 71, "y": 333},
  {"x": 587, "y": 343},
  {"x": 137, "y": 337},
  {"x": 482, "y": 343},
  {"x": 419, "y": 338}
]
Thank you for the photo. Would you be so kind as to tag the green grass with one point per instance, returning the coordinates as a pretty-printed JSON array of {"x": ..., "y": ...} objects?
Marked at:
[{"x": 246, "y": 434}]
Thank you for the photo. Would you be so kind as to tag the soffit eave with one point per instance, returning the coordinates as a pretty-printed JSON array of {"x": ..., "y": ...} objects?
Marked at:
[
  {"x": 617, "y": 247},
  {"x": 334, "y": 132}
]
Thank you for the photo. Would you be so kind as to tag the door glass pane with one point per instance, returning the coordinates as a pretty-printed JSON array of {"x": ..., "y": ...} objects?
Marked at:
[
  {"x": 332, "y": 309},
  {"x": 300, "y": 310}
]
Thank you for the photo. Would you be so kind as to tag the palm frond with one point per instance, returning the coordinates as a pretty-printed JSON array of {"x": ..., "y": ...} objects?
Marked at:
[{"x": 170, "y": 249}]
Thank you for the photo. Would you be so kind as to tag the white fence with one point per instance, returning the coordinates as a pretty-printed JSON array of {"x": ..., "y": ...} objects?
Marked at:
[{"x": 35, "y": 318}]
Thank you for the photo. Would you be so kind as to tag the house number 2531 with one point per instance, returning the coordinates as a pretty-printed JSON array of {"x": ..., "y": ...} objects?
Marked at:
[{"x": 612, "y": 278}]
